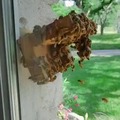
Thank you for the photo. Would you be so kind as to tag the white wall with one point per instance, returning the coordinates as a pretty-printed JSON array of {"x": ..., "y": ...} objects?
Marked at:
[{"x": 38, "y": 102}]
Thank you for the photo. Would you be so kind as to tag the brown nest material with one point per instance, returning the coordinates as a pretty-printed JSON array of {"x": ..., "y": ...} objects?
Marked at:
[{"x": 46, "y": 50}]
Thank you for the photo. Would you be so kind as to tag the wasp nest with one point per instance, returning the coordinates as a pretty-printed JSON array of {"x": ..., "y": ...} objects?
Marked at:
[{"x": 46, "y": 50}]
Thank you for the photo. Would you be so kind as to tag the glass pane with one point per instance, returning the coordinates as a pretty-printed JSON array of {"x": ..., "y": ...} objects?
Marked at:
[{"x": 38, "y": 102}]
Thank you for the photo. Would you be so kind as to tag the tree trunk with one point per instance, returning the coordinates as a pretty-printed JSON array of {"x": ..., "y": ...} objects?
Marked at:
[
  {"x": 118, "y": 24},
  {"x": 78, "y": 3},
  {"x": 102, "y": 29},
  {"x": 118, "y": 29}
]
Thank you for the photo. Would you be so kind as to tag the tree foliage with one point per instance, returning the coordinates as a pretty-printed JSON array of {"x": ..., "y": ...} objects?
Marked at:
[
  {"x": 103, "y": 12},
  {"x": 61, "y": 10},
  {"x": 93, "y": 5}
]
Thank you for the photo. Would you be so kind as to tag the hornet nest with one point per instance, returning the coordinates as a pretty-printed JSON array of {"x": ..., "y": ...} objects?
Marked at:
[{"x": 46, "y": 50}]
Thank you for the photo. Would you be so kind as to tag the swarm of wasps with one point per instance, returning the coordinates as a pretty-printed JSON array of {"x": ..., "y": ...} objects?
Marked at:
[{"x": 46, "y": 50}]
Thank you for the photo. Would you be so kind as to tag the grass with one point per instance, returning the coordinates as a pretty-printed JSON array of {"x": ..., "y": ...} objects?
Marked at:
[
  {"x": 107, "y": 41},
  {"x": 101, "y": 76}
]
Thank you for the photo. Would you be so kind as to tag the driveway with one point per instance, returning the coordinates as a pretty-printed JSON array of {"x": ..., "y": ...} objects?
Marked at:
[
  {"x": 105, "y": 52},
  {"x": 102, "y": 52}
]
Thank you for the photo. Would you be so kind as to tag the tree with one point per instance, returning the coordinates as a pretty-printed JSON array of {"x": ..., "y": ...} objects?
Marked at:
[
  {"x": 103, "y": 16},
  {"x": 94, "y": 5},
  {"x": 99, "y": 8}
]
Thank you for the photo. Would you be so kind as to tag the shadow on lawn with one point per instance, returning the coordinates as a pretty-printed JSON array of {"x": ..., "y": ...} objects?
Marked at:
[
  {"x": 105, "y": 46},
  {"x": 102, "y": 80}
]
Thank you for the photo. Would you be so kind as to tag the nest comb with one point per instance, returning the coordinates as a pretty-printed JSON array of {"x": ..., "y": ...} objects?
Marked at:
[{"x": 46, "y": 50}]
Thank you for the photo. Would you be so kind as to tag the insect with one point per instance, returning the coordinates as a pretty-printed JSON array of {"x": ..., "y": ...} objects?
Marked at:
[
  {"x": 81, "y": 82},
  {"x": 105, "y": 100}
]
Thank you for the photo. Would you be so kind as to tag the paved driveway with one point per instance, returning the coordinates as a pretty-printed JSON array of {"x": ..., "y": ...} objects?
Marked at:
[
  {"x": 105, "y": 52},
  {"x": 101, "y": 52}
]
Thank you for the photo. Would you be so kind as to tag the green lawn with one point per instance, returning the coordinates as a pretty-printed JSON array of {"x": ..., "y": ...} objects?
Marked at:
[
  {"x": 101, "y": 76},
  {"x": 107, "y": 41}
]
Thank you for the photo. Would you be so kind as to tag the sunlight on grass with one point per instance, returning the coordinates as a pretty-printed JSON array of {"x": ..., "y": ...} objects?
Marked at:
[
  {"x": 101, "y": 79},
  {"x": 107, "y": 41}
]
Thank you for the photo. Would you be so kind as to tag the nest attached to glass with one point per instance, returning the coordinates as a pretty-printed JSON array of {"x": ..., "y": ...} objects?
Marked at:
[{"x": 46, "y": 50}]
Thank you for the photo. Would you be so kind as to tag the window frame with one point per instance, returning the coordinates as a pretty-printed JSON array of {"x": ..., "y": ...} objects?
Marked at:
[{"x": 9, "y": 83}]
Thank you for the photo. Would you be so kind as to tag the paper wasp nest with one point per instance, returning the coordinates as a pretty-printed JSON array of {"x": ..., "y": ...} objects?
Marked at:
[{"x": 46, "y": 50}]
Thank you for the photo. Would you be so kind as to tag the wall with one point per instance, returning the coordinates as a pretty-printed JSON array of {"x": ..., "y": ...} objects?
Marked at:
[{"x": 38, "y": 102}]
